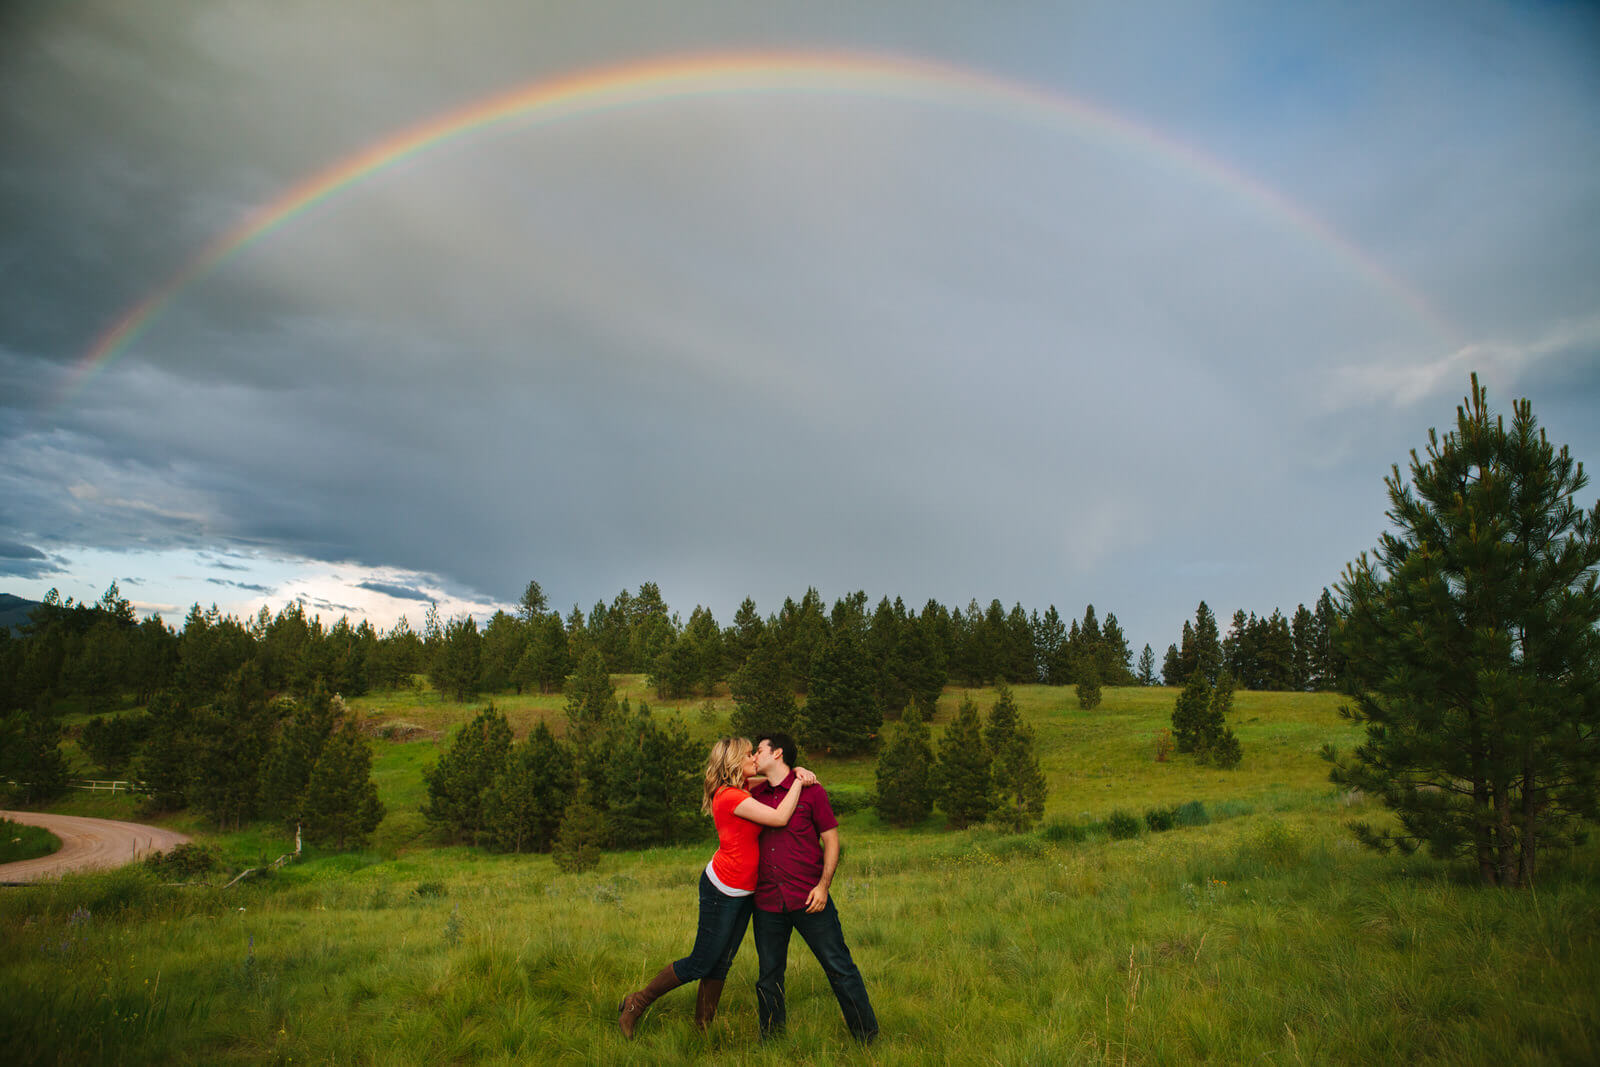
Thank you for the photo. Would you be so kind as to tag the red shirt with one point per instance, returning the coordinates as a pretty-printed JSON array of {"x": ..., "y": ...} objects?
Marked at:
[
  {"x": 737, "y": 840},
  {"x": 791, "y": 856}
]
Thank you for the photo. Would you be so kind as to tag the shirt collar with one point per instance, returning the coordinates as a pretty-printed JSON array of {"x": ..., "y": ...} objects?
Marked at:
[{"x": 765, "y": 784}]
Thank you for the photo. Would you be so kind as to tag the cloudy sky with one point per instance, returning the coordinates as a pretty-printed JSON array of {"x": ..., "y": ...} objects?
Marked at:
[{"x": 1111, "y": 303}]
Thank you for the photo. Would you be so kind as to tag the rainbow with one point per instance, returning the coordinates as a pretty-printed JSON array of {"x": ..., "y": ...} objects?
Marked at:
[{"x": 652, "y": 81}]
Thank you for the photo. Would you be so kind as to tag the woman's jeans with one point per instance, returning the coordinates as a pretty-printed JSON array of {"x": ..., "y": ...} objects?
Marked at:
[{"x": 723, "y": 921}]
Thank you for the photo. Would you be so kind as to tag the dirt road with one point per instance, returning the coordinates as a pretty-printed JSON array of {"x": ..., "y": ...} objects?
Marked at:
[{"x": 86, "y": 843}]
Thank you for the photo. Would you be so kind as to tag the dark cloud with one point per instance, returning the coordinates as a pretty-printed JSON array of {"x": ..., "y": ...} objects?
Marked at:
[
  {"x": 18, "y": 560},
  {"x": 11, "y": 550},
  {"x": 399, "y": 592},
  {"x": 246, "y": 586}
]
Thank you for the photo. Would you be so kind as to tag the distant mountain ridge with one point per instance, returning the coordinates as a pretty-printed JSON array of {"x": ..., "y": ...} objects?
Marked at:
[{"x": 14, "y": 611}]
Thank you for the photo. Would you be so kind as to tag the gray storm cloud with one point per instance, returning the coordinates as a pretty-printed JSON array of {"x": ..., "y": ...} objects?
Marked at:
[{"x": 742, "y": 345}]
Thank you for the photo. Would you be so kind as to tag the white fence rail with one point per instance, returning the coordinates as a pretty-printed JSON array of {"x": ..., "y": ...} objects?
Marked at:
[{"x": 100, "y": 785}]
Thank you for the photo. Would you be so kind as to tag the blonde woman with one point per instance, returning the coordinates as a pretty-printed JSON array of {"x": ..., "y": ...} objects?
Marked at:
[{"x": 727, "y": 885}]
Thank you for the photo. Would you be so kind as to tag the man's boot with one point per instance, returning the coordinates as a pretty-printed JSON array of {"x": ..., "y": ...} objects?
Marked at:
[
  {"x": 705, "y": 1005},
  {"x": 634, "y": 1004}
]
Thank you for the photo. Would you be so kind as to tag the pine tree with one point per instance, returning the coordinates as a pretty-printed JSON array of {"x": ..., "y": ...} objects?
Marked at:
[
  {"x": 162, "y": 765},
  {"x": 1302, "y": 626},
  {"x": 501, "y": 648},
  {"x": 1003, "y": 719},
  {"x": 918, "y": 664},
  {"x": 32, "y": 757},
  {"x": 963, "y": 778},
  {"x": 113, "y": 741},
  {"x": 1189, "y": 712},
  {"x": 1018, "y": 785},
  {"x": 1049, "y": 635},
  {"x": 841, "y": 715},
  {"x": 1172, "y": 667},
  {"x": 676, "y": 669},
  {"x": 1215, "y": 743},
  {"x": 533, "y": 604},
  {"x": 528, "y": 798},
  {"x": 230, "y": 740},
  {"x": 1088, "y": 687},
  {"x": 763, "y": 700},
  {"x": 739, "y": 640},
  {"x": 1115, "y": 657},
  {"x": 591, "y": 699},
  {"x": 1471, "y": 638},
  {"x": 1327, "y": 663},
  {"x": 293, "y": 753},
  {"x": 457, "y": 782},
  {"x": 582, "y": 834},
  {"x": 1188, "y": 654},
  {"x": 650, "y": 779},
  {"x": 1147, "y": 666},
  {"x": 545, "y": 660},
  {"x": 1207, "y": 644},
  {"x": 455, "y": 668},
  {"x": 341, "y": 806},
  {"x": 905, "y": 772}
]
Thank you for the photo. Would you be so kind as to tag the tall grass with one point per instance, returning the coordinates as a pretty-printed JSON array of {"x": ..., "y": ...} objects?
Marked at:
[
  {"x": 1263, "y": 935},
  {"x": 18, "y": 841}
]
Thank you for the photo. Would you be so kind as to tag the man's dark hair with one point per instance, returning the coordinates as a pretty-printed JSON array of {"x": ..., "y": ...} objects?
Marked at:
[{"x": 782, "y": 744}]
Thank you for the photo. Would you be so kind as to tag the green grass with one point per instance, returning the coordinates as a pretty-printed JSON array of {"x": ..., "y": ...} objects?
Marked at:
[
  {"x": 21, "y": 842},
  {"x": 1263, "y": 935}
]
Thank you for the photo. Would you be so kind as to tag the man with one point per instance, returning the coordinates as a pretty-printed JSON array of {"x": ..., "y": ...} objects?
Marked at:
[{"x": 797, "y": 865}]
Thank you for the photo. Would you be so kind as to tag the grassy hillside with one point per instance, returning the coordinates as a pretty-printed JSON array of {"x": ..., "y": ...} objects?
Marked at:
[{"x": 1265, "y": 935}]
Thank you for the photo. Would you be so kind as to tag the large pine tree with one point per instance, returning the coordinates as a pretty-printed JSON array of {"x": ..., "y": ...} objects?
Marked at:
[
  {"x": 294, "y": 753},
  {"x": 841, "y": 715},
  {"x": 963, "y": 779},
  {"x": 341, "y": 807},
  {"x": 1017, "y": 783},
  {"x": 762, "y": 696},
  {"x": 525, "y": 802},
  {"x": 1470, "y": 635},
  {"x": 457, "y": 783},
  {"x": 905, "y": 772}
]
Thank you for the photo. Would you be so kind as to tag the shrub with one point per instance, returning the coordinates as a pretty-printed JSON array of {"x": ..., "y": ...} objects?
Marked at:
[
  {"x": 847, "y": 799},
  {"x": 182, "y": 861},
  {"x": 1159, "y": 819},
  {"x": 577, "y": 845},
  {"x": 1275, "y": 842},
  {"x": 1164, "y": 745},
  {"x": 1120, "y": 824},
  {"x": 1059, "y": 831},
  {"x": 1192, "y": 813}
]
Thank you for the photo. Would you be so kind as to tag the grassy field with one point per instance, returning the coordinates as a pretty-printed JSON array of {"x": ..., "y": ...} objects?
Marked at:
[
  {"x": 19, "y": 842},
  {"x": 1264, "y": 935}
]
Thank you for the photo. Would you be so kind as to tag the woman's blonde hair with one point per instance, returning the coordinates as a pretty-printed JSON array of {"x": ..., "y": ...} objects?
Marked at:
[{"x": 725, "y": 767}]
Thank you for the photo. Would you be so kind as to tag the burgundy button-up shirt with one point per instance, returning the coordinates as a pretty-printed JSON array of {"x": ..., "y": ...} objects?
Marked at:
[{"x": 791, "y": 856}]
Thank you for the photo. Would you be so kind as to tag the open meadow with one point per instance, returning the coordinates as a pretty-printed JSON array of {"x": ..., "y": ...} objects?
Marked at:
[{"x": 1257, "y": 932}]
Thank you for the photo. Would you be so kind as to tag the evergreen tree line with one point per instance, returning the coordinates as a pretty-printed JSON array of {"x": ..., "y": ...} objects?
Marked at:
[
  {"x": 96, "y": 658},
  {"x": 620, "y": 778},
  {"x": 981, "y": 771},
  {"x": 246, "y": 756},
  {"x": 1299, "y": 654}
]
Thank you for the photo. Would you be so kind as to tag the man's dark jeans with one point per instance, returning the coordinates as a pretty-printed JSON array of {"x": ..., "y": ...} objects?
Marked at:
[
  {"x": 826, "y": 940},
  {"x": 723, "y": 920}
]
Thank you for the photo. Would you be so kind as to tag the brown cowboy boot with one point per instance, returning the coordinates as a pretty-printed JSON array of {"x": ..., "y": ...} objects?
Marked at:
[
  {"x": 634, "y": 1004},
  {"x": 705, "y": 1004}
]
